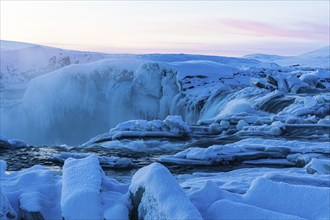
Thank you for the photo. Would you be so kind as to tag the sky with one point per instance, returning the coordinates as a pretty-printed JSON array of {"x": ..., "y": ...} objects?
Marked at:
[{"x": 231, "y": 28}]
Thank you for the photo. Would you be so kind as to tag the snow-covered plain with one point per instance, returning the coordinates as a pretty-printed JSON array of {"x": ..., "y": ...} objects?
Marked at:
[{"x": 246, "y": 138}]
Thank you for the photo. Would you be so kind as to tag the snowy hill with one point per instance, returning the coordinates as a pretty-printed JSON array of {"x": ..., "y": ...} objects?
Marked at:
[
  {"x": 316, "y": 58},
  {"x": 12, "y": 45},
  {"x": 22, "y": 62},
  {"x": 264, "y": 57}
]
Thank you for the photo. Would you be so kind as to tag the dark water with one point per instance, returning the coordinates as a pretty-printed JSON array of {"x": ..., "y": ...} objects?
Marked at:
[{"x": 21, "y": 158}]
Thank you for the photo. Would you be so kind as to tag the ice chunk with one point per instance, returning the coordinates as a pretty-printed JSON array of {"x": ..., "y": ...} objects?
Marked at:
[
  {"x": 176, "y": 124},
  {"x": 318, "y": 166},
  {"x": 241, "y": 123},
  {"x": 17, "y": 143},
  {"x": 155, "y": 194}
]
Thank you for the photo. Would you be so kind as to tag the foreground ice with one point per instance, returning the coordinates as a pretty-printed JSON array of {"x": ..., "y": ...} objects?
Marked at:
[{"x": 250, "y": 193}]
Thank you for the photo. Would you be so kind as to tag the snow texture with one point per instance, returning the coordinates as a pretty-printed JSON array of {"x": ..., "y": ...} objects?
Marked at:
[{"x": 81, "y": 189}]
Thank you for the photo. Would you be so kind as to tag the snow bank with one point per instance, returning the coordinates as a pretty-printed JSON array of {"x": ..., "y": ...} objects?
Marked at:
[
  {"x": 81, "y": 187},
  {"x": 155, "y": 194},
  {"x": 226, "y": 209},
  {"x": 298, "y": 200},
  {"x": 33, "y": 193}
]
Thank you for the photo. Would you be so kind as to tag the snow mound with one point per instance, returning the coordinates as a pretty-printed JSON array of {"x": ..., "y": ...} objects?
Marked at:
[
  {"x": 156, "y": 194},
  {"x": 33, "y": 193},
  {"x": 297, "y": 200}
]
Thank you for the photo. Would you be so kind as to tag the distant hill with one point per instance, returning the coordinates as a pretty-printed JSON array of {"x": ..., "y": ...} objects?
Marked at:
[
  {"x": 264, "y": 57},
  {"x": 316, "y": 58}
]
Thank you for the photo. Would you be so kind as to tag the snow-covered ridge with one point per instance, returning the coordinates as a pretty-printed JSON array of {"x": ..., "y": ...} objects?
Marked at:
[{"x": 316, "y": 58}]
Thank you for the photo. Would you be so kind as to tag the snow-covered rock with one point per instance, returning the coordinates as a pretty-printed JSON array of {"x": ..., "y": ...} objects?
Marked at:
[{"x": 156, "y": 194}]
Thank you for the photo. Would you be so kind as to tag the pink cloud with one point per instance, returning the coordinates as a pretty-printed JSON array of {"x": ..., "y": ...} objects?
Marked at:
[{"x": 302, "y": 30}]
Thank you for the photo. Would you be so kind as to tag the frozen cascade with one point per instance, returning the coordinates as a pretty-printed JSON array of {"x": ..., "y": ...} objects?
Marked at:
[{"x": 77, "y": 102}]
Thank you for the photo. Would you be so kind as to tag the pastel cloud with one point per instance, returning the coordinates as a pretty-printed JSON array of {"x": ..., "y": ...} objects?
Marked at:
[{"x": 307, "y": 31}]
